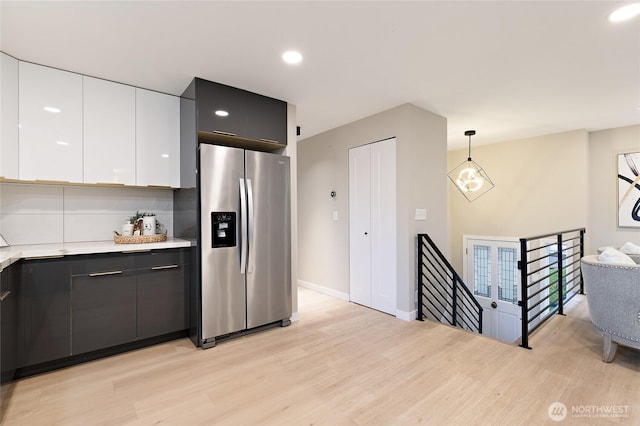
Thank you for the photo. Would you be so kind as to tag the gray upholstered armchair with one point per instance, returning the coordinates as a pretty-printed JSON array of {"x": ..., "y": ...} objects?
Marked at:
[{"x": 613, "y": 295}]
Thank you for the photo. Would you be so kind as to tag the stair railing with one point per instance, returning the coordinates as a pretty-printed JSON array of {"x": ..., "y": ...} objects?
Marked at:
[
  {"x": 550, "y": 276},
  {"x": 442, "y": 295}
]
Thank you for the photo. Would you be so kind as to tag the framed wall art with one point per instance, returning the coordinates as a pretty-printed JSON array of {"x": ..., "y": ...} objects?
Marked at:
[{"x": 629, "y": 190}]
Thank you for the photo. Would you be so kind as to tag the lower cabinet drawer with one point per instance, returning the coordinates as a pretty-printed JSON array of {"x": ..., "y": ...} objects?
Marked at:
[
  {"x": 103, "y": 311},
  {"x": 162, "y": 302}
]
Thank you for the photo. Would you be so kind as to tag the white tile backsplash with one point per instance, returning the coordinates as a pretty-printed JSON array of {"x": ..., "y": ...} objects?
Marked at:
[
  {"x": 34, "y": 214},
  {"x": 126, "y": 201},
  {"x": 30, "y": 199},
  {"x": 32, "y": 228}
]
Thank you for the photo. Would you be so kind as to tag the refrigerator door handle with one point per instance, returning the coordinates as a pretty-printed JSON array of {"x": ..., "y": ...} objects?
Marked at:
[
  {"x": 243, "y": 227},
  {"x": 250, "y": 231}
]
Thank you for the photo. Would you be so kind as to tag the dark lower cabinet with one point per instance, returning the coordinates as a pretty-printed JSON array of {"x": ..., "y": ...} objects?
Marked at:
[
  {"x": 8, "y": 324},
  {"x": 162, "y": 301},
  {"x": 103, "y": 310},
  {"x": 44, "y": 310},
  {"x": 54, "y": 308}
]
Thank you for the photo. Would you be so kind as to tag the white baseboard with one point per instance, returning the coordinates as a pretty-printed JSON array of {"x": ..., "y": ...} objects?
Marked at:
[
  {"x": 295, "y": 317},
  {"x": 402, "y": 315},
  {"x": 406, "y": 316},
  {"x": 324, "y": 290}
]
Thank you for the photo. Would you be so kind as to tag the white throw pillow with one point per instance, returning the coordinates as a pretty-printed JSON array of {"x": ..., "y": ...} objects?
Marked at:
[
  {"x": 630, "y": 248},
  {"x": 611, "y": 255}
]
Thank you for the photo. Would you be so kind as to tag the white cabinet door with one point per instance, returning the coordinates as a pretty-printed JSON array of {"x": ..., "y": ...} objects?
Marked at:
[
  {"x": 50, "y": 124},
  {"x": 109, "y": 132},
  {"x": 157, "y": 139},
  {"x": 9, "y": 117}
]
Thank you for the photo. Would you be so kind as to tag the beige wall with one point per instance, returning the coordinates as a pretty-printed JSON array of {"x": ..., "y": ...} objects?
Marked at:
[
  {"x": 604, "y": 146},
  {"x": 323, "y": 244},
  {"x": 541, "y": 187}
]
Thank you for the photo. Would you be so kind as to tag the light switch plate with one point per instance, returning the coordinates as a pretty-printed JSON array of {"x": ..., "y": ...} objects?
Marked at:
[
  {"x": 335, "y": 215},
  {"x": 421, "y": 214}
]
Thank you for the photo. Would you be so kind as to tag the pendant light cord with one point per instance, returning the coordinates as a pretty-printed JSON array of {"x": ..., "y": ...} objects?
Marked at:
[{"x": 469, "y": 133}]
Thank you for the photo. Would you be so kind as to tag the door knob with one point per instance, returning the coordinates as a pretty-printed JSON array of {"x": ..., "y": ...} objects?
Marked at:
[{"x": 494, "y": 305}]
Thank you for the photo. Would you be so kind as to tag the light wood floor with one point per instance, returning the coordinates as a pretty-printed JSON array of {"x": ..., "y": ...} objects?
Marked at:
[{"x": 341, "y": 364}]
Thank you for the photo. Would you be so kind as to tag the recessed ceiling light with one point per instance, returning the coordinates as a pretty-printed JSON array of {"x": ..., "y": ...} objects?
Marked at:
[
  {"x": 625, "y": 13},
  {"x": 63, "y": 143},
  {"x": 222, "y": 113},
  {"x": 51, "y": 109},
  {"x": 292, "y": 57},
  {"x": 165, "y": 155}
]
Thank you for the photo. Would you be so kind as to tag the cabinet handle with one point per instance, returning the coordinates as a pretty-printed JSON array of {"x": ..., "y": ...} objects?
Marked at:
[
  {"x": 157, "y": 268},
  {"x": 269, "y": 140},
  {"x": 54, "y": 182},
  {"x": 44, "y": 257},
  {"x": 101, "y": 274},
  {"x": 136, "y": 251},
  {"x": 4, "y": 295},
  {"x": 220, "y": 132}
]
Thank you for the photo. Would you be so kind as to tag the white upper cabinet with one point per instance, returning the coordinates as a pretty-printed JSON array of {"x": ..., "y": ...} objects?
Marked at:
[
  {"x": 157, "y": 139},
  {"x": 9, "y": 117},
  {"x": 109, "y": 132},
  {"x": 50, "y": 124}
]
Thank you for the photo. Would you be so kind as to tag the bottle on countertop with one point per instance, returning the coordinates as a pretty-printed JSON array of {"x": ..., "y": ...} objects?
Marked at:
[{"x": 127, "y": 229}]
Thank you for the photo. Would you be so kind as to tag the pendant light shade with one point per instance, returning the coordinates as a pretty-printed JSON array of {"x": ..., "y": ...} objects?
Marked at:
[{"x": 469, "y": 177}]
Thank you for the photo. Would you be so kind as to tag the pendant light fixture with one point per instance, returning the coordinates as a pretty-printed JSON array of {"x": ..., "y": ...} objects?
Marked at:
[{"x": 469, "y": 177}]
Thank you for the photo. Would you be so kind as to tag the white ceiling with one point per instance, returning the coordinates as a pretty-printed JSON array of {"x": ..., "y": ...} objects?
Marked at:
[{"x": 508, "y": 69}]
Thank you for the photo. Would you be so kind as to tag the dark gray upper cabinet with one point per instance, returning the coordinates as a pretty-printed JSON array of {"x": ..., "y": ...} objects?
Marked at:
[
  {"x": 44, "y": 310},
  {"x": 229, "y": 115},
  {"x": 267, "y": 119},
  {"x": 214, "y": 99}
]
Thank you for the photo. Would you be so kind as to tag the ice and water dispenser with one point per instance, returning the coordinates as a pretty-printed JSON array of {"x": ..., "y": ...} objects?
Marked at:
[{"x": 223, "y": 229}]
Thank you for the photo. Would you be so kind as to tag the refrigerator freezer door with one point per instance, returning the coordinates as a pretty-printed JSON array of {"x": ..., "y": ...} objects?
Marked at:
[
  {"x": 223, "y": 282},
  {"x": 269, "y": 260}
]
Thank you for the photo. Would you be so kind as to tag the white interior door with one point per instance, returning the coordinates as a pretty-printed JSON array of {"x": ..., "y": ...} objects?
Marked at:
[
  {"x": 383, "y": 226},
  {"x": 491, "y": 272},
  {"x": 372, "y": 225},
  {"x": 360, "y": 225}
]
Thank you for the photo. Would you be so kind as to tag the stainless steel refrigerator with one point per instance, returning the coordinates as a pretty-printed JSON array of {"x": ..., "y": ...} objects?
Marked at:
[{"x": 245, "y": 241}]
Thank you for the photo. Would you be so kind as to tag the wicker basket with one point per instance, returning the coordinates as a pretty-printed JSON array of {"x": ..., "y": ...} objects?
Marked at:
[{"x": 139, "y": 239}]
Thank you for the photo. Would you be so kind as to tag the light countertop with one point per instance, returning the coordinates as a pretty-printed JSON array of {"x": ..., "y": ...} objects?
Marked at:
[{"x": 9, "y": 255}]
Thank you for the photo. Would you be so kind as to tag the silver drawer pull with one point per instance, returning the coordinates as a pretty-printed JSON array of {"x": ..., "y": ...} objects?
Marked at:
[
  {"x": 269, "y": 140},
  {"x": 220, "y": 132},
  {"x": 135, "y": 251},
  {"x": 4, "y": 295},
  {"x": 157, "y": 268},
  {"x": 101, "y": 274}
]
